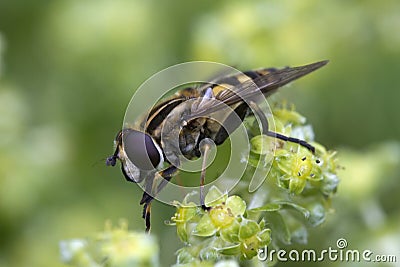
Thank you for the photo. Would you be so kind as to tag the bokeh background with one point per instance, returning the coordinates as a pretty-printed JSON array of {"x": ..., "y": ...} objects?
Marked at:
[{"x": 69, "y": 68}]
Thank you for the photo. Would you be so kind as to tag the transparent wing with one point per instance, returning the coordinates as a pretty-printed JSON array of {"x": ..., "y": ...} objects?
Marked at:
[{"x": 266, "y": 82}]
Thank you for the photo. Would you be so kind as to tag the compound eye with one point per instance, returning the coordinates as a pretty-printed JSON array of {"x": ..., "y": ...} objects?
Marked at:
[{"x": 141, "y": 150}]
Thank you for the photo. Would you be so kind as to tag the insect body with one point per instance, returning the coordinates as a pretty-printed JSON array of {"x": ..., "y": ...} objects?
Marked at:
[{"x": 179, "y": 126}]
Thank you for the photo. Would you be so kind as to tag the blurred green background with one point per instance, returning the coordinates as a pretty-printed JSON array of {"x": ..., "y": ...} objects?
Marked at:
[{"x": 69, "y": 68}]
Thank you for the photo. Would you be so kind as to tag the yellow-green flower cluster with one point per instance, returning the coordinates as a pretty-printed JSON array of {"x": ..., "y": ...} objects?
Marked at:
[
  {"x": 297, "y": 182},
  {"x": 219, "y": 232},
  {"x": 293, "y": 166},
  {"x": 112, "y": 247}
]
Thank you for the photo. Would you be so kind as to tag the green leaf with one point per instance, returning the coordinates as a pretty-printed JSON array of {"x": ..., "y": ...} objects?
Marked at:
[
  {"x": 296, "y": 185},
  {"x": 262, "y": 223},
  {"x": 289, "y": 116},
  {"x": 329, "y": 184},
  {"x": 268, "y": 207},
  {"x": 186, "y": 201},
  {"x": 205, "y": 227},
  {"x": 231, "y": 233},
  {"x": 300, "y": 235},
  {"x": 214, "y": 197},
  {"x": 317, "y": 215},
  {"x": 230, "y": 250},
  {"x": 279, "y": 228},
  {"x": 208, "y": 254},
  {"x": 236, "y": 204},
  {"x": 184, "y": 256},
  {"x": 248, "y": 228},
  {"x": 260, "y": 145},
  {"x": 264, "y": 236},
  {"x": 305, "y": 212},
  {"x": 181, "y": 231}
]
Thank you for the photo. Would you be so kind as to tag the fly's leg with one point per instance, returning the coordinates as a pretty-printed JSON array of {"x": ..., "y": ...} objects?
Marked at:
[
  {"x": 293, "y": 140},
  {"x": 261, "y": 116},
  {"x": 146, "y": 215},
  {"x": 205, "y": 148},
  {"x": 166, "y": 174},
  {"x": 266, "y": 131}
]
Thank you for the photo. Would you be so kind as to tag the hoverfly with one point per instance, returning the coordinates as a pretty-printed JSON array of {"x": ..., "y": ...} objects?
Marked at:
[{"x": 143, "y": 153}]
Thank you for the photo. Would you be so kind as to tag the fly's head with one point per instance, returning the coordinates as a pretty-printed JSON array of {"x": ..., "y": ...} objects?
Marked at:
[{"x": 138, "y": 153}]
